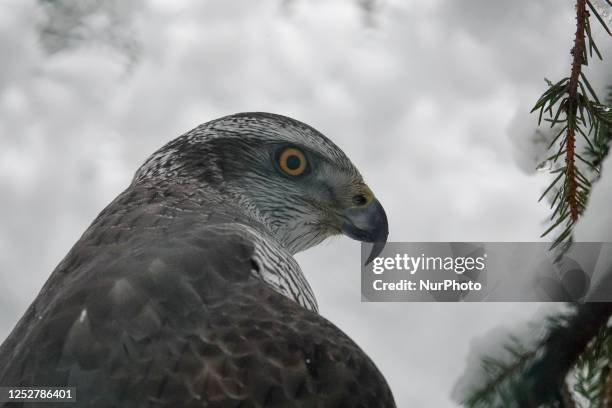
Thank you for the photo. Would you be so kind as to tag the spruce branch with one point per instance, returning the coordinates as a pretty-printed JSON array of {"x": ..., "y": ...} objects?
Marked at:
[
  {"x": 578, "y": 53},
  {"x": 607, "y": 388},
  {"x": 502, "y": 377},
  {"x": 572, "y": 362},
  {"x": 538, "y": 375},
  {"x": 592, "y": 372},
  {"x": 573, "y": 105}
]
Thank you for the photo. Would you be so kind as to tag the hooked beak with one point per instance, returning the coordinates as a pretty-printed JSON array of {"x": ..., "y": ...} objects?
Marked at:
[{"x": 367, "y": 223}]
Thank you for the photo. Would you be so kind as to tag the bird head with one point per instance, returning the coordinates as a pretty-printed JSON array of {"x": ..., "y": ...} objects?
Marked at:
[{"x": 283, "y": 173}]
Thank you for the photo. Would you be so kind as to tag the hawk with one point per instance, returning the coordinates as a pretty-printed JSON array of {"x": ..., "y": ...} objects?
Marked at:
[{"x": 184, "y": 291}]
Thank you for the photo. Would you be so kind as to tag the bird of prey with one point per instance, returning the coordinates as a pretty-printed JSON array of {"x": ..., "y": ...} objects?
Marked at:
[{"x": 184, "y": 291}]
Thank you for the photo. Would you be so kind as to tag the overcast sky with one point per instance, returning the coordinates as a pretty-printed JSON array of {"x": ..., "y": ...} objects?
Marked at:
[{"x": 429, "y": 99}]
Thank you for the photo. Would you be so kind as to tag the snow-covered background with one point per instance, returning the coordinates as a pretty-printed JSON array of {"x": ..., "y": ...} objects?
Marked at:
[{"x": 429, "y": 99}]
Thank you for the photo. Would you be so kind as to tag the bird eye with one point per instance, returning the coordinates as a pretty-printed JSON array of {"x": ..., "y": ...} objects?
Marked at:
[{"x": 292, "y": 161}]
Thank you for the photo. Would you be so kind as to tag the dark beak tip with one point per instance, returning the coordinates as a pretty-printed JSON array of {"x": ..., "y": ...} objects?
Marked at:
[
  {"x": 367, "y": 224},
  {"x": 377, "y": 248}
]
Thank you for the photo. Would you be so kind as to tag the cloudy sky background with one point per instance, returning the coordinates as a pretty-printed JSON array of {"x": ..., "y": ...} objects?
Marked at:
[{"x": 429, "y": 99}]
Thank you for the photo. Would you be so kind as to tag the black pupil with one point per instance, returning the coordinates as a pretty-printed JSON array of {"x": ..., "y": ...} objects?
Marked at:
[{"x": 293, "y": 162}]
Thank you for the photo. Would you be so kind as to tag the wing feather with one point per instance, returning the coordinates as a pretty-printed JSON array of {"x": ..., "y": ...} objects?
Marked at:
[{"x": 183, "y": 322}]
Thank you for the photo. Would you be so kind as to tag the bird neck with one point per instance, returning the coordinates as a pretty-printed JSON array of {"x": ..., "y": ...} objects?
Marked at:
[
  {"x": 211, "y": 202},
  {"x": 178, "y": 208}
]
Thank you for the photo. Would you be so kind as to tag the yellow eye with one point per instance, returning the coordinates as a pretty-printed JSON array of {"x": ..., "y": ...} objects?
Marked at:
[{"x": 292, "y": 161}]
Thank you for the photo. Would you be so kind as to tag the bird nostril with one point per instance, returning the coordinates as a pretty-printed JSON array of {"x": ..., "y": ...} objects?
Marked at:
[{"x": 360, "y": 199}]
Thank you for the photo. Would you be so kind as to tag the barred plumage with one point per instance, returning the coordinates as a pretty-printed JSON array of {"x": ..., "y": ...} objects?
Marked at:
[{"x": 184, "y": 290}]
